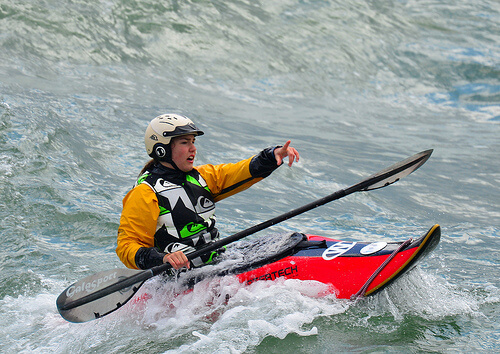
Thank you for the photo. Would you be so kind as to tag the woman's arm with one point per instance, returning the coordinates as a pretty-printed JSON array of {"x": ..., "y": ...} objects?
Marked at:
[
  {"x": 228, "y": 179},
  {"x": 135, "y": 243}
]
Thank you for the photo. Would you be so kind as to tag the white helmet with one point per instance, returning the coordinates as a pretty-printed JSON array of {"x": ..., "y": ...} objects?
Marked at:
[{"x": 162, "y": 129}]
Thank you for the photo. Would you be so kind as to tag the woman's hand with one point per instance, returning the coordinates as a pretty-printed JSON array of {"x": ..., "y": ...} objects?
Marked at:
[
  {"x": 177, "y": 260},
  {"x": 284, "y": 151}
]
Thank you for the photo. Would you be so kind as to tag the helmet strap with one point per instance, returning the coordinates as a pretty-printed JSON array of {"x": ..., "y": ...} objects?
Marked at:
[
  {"x": 174, "y": 165},
  {"x": 167, "y": 155}
]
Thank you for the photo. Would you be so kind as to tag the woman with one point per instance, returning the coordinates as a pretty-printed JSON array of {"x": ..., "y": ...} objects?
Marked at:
[{"x": 170, "y": 211}]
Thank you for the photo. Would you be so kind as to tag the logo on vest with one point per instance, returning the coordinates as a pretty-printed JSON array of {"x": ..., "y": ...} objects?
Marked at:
[
  {"x": 191, "y": 229},
  {"x": 204, "y": 204}
]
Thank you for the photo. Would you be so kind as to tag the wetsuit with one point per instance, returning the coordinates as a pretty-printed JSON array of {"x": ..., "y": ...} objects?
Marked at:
[{"x": 170, "y": 210}]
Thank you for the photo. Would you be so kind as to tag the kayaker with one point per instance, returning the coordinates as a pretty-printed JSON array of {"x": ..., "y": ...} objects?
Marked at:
[{"x": 171, "y": 209}]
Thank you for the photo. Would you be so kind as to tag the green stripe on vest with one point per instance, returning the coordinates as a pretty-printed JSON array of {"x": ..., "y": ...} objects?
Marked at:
[
  {"x": 191, "y": 229},
  {"x": 142, "y": 178},
  {"x": 193, "y": 180},
  {"x": 163, "y": 210}
]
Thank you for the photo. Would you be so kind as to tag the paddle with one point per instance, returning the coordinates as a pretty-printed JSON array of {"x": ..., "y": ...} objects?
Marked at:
[{"x": 102, "y": 293}]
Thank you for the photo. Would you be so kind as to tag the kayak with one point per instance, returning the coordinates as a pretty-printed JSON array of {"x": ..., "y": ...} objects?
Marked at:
[{"x": 352, "y": 269}]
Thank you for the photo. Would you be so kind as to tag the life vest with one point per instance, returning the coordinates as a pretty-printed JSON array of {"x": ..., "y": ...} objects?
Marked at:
[
  {"x": 143, "y": 229},
  {"x": 187, "y": 210}
]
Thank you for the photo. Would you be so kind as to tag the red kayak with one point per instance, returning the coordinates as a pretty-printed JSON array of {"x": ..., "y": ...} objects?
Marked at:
[{"x": 353, "y": 269}]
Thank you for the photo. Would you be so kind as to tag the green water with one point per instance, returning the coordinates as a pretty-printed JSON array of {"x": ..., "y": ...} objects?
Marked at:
[{"x": 356, "y": 86}]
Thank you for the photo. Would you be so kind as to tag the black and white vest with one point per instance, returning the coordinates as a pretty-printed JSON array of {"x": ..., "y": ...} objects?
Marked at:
[{"x": 187, "y": 209}]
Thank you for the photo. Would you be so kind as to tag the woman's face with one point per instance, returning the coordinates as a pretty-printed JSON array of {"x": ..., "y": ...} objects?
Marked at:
[{"x": 184, "y": 152}]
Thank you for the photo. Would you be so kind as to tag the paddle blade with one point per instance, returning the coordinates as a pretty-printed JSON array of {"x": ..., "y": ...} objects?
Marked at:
[
  {"x": 395, "y": 172},
  {"x": 90, "y": 285}
]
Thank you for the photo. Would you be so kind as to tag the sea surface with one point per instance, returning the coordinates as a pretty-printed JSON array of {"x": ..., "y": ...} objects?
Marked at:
[{"x": 355, "y": 85}]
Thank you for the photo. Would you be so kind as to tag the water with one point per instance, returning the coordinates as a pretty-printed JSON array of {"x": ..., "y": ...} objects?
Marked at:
[{"x": 356, "y": 86}]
